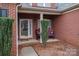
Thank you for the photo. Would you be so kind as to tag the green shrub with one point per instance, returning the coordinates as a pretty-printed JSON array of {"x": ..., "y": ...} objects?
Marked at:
[
  {"x": 5, "y": 36},
  {"x": 44, "y": 34}
]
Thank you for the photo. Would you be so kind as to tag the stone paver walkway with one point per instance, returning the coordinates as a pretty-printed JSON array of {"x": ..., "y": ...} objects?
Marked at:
[{"x": 28, "y": 51}]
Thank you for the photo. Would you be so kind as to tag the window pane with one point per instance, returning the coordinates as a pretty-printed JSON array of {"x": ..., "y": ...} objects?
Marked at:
[
  {"x": 24, "y": 28},
  {"x": 26, "y": 4},
  {"x": 40, "y": 4},
  {"x": 38, "y": 23},
  {"x": 3, "y": 12},
  {"x": 44, "y": 4},
  {"x": 49, "y": 23},
  {"x": 29, "y": 4},
  {"x": 47, "y": 5}
]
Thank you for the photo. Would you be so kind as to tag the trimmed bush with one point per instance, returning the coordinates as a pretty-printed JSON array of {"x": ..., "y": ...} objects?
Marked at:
[
  {"x": 5, "y": 36},
  {"x": 44, "y": 34}
]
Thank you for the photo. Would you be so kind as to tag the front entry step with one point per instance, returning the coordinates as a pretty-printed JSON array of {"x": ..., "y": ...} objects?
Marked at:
[{"x": 33, "y": 41}]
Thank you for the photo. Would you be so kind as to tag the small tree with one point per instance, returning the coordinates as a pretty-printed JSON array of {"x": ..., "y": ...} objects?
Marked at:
[
  {"x": 5, "y": 36},
  {"x": 44, "y": 34}
]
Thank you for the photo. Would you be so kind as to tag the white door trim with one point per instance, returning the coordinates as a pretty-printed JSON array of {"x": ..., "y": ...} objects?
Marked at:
[{"x": 29, "y": 36}]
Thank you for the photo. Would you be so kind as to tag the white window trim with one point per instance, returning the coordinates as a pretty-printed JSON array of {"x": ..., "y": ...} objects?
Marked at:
[
  {"x": 44, "y": 5},
  {"x": 29, "y": 36},
  {"x": 30, "y": 4},
  {"x": 26, "y": 4}
]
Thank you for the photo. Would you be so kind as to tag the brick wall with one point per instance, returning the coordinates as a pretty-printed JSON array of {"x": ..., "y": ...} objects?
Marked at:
[
  {"x": 66, "y": 28},
  {"x": 12, "y": 13}
]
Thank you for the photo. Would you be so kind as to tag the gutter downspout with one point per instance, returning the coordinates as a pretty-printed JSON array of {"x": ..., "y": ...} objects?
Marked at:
[{"x": 17, "y": 27}]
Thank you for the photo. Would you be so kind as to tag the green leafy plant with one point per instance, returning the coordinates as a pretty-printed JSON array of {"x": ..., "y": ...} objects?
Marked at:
[
  {"x": 5, "y": 36},
  {"x": 44, "y": 34}
]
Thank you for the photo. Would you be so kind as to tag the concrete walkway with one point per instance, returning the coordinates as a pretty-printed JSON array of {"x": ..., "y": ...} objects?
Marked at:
[{"x": 28, "y": 51}]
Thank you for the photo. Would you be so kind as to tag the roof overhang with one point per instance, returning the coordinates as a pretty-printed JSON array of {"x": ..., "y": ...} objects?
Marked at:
[
  {"x": 74, "y": 6},
  {"x": 38, "y": 10}
]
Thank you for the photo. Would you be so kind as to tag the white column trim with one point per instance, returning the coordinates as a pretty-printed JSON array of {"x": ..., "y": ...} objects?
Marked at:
[
  {"x": 41, "y": 18},
  {"x": 17, "y": 30}
]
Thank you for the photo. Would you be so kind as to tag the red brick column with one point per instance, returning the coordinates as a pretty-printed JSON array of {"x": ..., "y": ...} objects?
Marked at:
[
  {"x": 0, "y": 5},
  {"x": 12, "y": 14}
]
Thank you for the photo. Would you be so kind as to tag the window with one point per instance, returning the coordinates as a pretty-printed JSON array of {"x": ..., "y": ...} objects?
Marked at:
[
  {"x": 47, "y": 4},
  {"x": 40, "y": 4},
  {"x": 44, "y": 4},
  {"x": 3, "y": 13},
  {"x": 26, "y": 4},
  {"x": 25, "y": 28},
  {"x": 49, "y": 25},
  {"x": 38, "y": 23}
]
